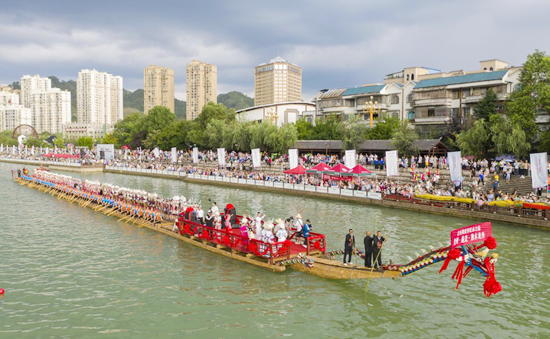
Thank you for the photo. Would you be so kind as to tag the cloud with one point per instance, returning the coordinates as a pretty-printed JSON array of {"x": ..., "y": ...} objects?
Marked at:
[{"x": 337, "y": 44}]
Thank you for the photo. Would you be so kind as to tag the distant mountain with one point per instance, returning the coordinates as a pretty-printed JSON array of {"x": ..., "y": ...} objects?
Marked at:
[
  {"x": 236, "y": 100},
  {"x": 133, "y": 101}
]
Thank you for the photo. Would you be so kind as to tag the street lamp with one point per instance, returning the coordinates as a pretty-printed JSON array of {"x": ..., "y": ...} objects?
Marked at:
[{"x": 371, "y": 108}]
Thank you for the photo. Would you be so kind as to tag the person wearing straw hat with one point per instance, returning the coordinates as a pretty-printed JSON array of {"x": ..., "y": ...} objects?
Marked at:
[{"x": 281, "y": 232}]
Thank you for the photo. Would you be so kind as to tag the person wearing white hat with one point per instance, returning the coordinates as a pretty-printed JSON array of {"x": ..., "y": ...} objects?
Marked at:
[{"x": 258, "y": 225}]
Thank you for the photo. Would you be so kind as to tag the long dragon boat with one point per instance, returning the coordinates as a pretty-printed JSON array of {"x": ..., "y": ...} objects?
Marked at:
[{"x": 311, "y": 257}]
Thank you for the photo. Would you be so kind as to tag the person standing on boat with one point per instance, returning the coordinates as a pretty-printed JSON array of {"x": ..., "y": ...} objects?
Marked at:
[
  {"x": 348, "y": 246},
  {"x": 200, "y": 215},
  {"x": 298, "y": 223},
  {"x": 258, "y": 225},
  {"x": 214, "y": 208},
  {"x": 305, "y": 232},
  {"x": 378, "y": 242},
  {"x": 368, "y": 241}
]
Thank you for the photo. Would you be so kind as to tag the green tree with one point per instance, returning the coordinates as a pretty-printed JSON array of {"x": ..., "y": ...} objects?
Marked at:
[
  {"x": 59, "y": 142},
  {"x": 283, "y": 138},
  {"x": 158, "y": 118},
  {"x": 327, "y": 128},
  {"x": 109, "y": 139},
  {"x": 262, "y": 136},
  {"x": 486, "y": 106},
  {"x": 85, "y": 141},
  {"x": 129, "y": 131},
  {"x": 6, "y": 139},
  {"x": 404, "y": 138},
  {"x": 532, "y": 96},
  {"x": 508, "y": 137},
  {"x": 175, "y": 135},
  {"x": 384, "y": 130},
  {"x": 476, "y": 140},
  {"x": 305, "y": 129},
  {"x": 32, "y": 141},
  {"x": 352, "y": 132}
]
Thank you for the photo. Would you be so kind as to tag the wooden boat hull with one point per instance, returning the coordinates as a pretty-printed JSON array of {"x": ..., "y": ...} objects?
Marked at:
[
  {"x": 332, "y": 269},
  {"x": 325, "y": 268}
]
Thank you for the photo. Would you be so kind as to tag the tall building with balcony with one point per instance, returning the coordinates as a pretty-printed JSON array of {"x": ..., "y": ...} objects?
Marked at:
[
  {"x": 50, "y": 107},
  {"x": 428, "y": 98},
  {"x": 12, "y": 114},
  {"x": 202, "y": 87},
  {"x": 276, "y": 82},
  {"x": 159, "y": 88},
  {"x": 99, "y": 97}
]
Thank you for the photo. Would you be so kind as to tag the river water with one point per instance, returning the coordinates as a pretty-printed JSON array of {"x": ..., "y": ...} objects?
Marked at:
[{"x": 69, "y": 272}]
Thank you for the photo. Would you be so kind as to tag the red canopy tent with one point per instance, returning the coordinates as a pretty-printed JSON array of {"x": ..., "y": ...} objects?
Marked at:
[
  {"x": 125, "y": 147},
  {"x": 296, "y": 170},
  {"x": 47, "y": 155},
  {"x": 341, "y": 172},
  {"x": 320, "y": 168},
  {"x": 360, "y": 171}
]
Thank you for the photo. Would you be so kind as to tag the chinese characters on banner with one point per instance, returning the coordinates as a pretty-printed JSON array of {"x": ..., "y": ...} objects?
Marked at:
[{"x": 471, "y": 234}]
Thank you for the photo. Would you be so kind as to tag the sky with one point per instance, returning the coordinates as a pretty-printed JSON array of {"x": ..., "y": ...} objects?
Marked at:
[{"x": 337, "y": 43}]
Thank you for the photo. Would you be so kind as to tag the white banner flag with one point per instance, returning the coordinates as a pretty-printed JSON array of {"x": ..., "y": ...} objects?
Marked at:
[
  {"x": 195, "y": 155},
  {"x": 221, "y": 156},
  {"x": 293, "y": 158},
  {"x": 2, "y": 148},
  {"x": 13, "y": 149},
  {"x": 32, "y": 150},
  {"x": 454, "y": 161},
  {"x": 156, "y": 152},
  {"x": 539, "y": 171},
  {"x": 350, "y": 160},
  {"x": 256, "y": 158},
  {"x": 392, "y": 169},
  {"x": 174, "y": 155}
]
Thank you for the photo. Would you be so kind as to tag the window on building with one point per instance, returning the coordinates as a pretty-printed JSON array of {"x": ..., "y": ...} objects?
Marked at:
[
  {"x": 410, "y": 98},
  {"x": 407, "y": 77},
  {"x": 431, "y": 112},
  {"x": 395, "y": 99},
  {"x": 490, "y": 68},
  {"x": 412, "y": 76}
]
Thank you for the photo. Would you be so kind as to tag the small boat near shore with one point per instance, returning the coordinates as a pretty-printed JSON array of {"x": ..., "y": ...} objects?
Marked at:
[{"x": 311, "y": 257}]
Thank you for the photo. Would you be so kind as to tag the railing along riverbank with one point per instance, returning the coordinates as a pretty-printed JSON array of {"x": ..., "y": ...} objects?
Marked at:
[
  {"x": 512, "y": 214},
  {"x": 41, "y": 162}
]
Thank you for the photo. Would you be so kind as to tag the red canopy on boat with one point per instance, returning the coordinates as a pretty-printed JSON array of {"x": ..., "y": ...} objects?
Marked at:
[
  {"x": 360, "y": 171},
  {"x": 296, "y": 170},
  {"x": 319, "y": 168},
  {"x": 341, "y": 169}
]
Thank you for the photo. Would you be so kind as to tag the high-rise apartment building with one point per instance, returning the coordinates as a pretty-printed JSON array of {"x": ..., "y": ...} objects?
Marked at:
[
  {"x": 278, "y": 81},
  {"x": 50, "y": 107},
  {"x": 12, "y": 114},
  {"x": 98, "y": 97},
  {"x": 202, "y": 87},
  {"x": 159, "y": 88}
]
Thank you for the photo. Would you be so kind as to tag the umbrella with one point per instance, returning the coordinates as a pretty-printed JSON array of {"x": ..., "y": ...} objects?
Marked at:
[
  {"x": 125, "y": 147},
  {"x": 296, "y": 170}
]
